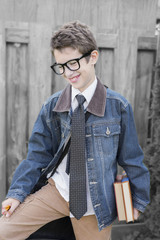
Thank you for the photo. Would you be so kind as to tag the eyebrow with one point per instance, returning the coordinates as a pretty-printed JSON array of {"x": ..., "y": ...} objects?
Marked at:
[
  {"x": 78, "y": 58},
  {"x": 67, "y": 61}
]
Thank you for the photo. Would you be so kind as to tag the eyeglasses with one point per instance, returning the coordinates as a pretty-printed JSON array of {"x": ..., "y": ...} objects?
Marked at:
[{"x": 72, "y": 65}]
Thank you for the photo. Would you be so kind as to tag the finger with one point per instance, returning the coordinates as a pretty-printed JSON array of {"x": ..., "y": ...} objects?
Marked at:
[
  {"x": 8, "y": 209},
  {"x": 4, "y": 212},
  {"x": 136, "y": 214},
  {"x": 118, "y": 178},
  {"x": 12, "y": 209},
  {"x": 5, "y": 208}
]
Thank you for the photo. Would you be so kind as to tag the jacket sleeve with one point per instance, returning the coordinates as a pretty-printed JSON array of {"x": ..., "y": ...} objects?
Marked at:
[
  {"x": 130, "y": 158},
  {"x": 40, "y": 153}
]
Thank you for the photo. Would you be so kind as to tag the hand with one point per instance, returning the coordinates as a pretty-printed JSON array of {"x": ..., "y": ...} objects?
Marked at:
[
  {"x": 119, "y": 178},
  {"x": 10, "y": 203},
  {"x": 136, "y": 213}
]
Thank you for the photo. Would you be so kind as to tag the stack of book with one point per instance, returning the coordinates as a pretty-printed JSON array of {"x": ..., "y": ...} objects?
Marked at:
[{"x": 123, "y": 198}]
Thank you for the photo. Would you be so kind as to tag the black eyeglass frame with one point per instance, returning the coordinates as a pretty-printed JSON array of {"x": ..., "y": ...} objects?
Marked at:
[{"x": 65, "y": 64}]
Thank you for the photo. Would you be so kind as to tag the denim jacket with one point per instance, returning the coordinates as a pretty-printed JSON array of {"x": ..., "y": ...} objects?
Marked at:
[{"x": 110, "y": 139}]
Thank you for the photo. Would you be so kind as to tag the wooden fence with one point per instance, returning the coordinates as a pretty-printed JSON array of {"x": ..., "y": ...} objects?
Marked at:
[{"x": 26, "y": 81}]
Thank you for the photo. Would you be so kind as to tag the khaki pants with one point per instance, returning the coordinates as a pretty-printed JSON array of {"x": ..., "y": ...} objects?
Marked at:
[{"x": 45, "y": 206}]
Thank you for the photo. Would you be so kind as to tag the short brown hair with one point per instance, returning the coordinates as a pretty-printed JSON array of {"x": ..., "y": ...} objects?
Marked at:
[{"x": 76, "y": 35}]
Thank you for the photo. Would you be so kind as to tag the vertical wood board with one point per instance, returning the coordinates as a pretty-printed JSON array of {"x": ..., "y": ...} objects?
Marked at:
[
  {"x": 17, "y": 105},
  {"x": 39, "y": 69},
  {"x": 138, "y": 14},
  {"x": 107, "y": 15},
  {"x": 105, "y": 67},
  {"x": 46, "y": 12},
  {"x": 145, "y": 64},
  {"x": 67, "y": 11},
  {"x": 25, "y": 11},
  {"x": 2, "y": 115},
  {"x": 127, "y": 58},
  {"x": 7, "y": 10}
]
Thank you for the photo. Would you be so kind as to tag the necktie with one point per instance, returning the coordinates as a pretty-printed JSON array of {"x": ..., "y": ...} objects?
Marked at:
[{"x": 77, "y": 195}]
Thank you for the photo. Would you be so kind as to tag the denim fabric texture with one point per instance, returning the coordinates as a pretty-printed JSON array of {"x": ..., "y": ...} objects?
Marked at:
[{"x": 111, "y": 139}]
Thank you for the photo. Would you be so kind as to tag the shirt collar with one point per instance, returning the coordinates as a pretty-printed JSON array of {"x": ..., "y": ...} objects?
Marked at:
[
  {"x": 87, "y": 93},
  {"x": 96, "y": 105}
]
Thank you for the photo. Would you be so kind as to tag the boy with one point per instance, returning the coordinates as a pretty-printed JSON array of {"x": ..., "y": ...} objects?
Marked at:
[{"x": 110, "y": 138}]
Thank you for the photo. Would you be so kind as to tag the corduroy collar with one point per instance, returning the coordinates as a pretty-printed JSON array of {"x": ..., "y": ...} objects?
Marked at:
[{"x": 96, "y": 105}]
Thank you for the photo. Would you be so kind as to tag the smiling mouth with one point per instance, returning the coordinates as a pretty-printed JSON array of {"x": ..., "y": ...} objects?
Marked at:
[{"x": 74, "y": 79}]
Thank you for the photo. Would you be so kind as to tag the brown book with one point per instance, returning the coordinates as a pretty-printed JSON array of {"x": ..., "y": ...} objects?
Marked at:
[{"x": 124, "y": 201}]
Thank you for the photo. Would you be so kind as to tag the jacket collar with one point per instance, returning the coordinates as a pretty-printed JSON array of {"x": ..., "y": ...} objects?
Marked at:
[{"x": 96, "y": 105}]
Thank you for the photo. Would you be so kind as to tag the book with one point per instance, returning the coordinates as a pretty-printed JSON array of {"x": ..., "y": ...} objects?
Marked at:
[{"x": 124, "y": 200}]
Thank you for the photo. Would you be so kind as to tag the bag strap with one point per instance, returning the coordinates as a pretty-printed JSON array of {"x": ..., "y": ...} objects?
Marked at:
[{"x": 65, "y": 149}]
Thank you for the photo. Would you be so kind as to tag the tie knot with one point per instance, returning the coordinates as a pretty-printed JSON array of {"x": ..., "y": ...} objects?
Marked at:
[{"x": 81, "y": 99}]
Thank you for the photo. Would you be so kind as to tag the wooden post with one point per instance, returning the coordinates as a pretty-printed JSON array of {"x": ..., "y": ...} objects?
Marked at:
[
  {"x": 2, "y": 116},
  {"x": 39, "y": 69},
  {"x": 156, "y": 91}
]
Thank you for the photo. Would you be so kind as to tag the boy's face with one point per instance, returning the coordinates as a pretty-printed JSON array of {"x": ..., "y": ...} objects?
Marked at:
[{"x": 82, "y": 77}]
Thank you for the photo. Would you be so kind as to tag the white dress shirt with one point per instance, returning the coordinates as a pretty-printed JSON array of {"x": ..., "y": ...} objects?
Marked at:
[{"x": 61, "y": 178}]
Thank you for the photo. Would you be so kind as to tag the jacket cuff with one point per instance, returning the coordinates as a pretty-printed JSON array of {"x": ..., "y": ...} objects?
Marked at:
[
  {"x": 139, "y": 204},
  {"x": 16, "y": 194}
]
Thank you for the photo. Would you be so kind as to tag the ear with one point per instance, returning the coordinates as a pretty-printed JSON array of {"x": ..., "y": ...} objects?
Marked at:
[{"x": 94, "y": 57}]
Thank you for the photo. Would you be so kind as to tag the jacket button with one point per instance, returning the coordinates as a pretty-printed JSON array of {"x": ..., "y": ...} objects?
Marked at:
[
  {"x": 62, "y": 135},
  {"x": 108, "y": 131}
]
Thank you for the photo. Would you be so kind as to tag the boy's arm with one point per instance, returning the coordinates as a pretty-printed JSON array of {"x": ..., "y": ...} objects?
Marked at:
[
  {"x": 130, "y": 157},
  {"x": 40, "y": 153}
]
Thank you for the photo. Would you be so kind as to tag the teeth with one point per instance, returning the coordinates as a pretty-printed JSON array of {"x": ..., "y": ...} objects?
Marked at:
[{"x": 74, "y": 78}]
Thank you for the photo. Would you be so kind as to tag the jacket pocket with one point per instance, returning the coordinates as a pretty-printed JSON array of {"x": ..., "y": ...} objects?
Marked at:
[
  {"x": 107, "y": 130},
  {"x": 106, "y": 139}
]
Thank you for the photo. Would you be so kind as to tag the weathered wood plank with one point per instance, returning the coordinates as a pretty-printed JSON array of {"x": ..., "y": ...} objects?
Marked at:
[
  {"x": 107, "y": 15},
  {"x": 26, "y": 11},
  {"x": 2, "y": 115},
  {"x": 126, "y": 67},
  {"x": 106, "y": 40},
  {"x": 17, "y": 105},
  {"x": 145, "y": 62},
  {"x": 17, "y": 35},
  {"x": 158, "y": 10},
  {"x": 138, "y": 14},
  {"x": 148, "y": 43},
  {"x": 105, "y": 67},
  {"x": 16, "y": 25},
  {"x": 7, "y": 10},
  {"x": 39, "y": 66},
  {"x": 67, "y": 11},
  {"x": 46, "y": 11}
]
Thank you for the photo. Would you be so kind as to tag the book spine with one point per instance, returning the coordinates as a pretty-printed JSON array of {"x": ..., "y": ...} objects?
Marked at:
[
  {"x": 116, "y": 201},
  {"x": 126, "y": 181}
]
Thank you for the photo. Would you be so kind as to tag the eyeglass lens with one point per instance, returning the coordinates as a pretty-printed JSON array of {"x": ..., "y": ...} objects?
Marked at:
[{"x": 72, "y": 65}]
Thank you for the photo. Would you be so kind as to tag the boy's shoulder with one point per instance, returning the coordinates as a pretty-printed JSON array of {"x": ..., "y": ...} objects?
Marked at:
[{"x": 111, "y": 94}]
